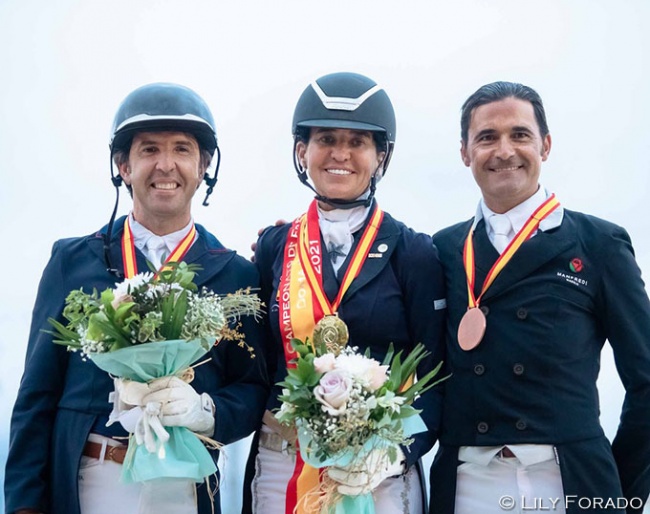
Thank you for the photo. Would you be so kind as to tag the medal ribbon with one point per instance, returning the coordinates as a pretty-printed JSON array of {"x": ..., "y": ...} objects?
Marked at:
[
  {"x": 128, "y": 250},
  {"x": 302, "y": 303},
  {"x": 529, "y": 228},
  {"x": 311, "y": 260}
]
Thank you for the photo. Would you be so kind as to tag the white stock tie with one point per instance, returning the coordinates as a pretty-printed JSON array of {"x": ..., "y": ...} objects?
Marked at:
[
  {"x": 156, "y": 250},
  {"x": 338, "y": 241},
  {"x": 502, "y": 231}
]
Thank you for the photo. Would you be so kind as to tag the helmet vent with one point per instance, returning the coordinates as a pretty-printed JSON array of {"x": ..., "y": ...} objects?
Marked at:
[
  {"x": 163, "y": 117},
  {"x": 341, "y": 103}
]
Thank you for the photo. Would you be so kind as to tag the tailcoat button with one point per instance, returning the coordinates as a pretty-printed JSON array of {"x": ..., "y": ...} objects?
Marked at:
[
  {"x": 521, "y": 425},
  {"x": 522, "y": 313},
  {"x": 482, "y": 427},
  {"x": 518, "y": 369},
  {"x": 479, "y": 369},
  {"x": 485, "y": 309}
]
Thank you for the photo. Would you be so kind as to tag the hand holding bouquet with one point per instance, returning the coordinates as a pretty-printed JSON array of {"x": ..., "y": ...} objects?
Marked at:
[
  {"x": 353, "y": 413},
  {"x": 147, "y": 331}
]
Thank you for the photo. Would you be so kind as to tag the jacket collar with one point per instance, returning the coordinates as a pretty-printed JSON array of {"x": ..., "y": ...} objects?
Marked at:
[
  {"x": 206, "y": 251},
  {"x": 378, "y": 256},
  {"x": 532, "y": 255}
]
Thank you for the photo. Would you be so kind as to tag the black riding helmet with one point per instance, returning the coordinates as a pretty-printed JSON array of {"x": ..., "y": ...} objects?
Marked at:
[
  {"x": 348, "y": 101},
  {"x": 161, "y": 107}
]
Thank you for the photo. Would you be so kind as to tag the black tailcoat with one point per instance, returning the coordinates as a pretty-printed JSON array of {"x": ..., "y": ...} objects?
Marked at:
[{"x": 533, "y": 377}]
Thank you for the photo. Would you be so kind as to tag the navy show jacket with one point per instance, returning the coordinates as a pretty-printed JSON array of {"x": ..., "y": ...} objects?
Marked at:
[
  {"x": 398, "y": 297},
  {"x": 62, "y": 398}
]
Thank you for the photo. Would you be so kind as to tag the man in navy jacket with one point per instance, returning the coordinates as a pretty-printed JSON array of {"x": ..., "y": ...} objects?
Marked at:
[
  {"x": 520, "y": 425},
  {"x": 163, "y": 142}
]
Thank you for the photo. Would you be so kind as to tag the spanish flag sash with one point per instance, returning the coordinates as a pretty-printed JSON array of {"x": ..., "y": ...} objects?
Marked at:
[
  {"x": 128, "y": 250},
  {"x": 303, "y": 303}
]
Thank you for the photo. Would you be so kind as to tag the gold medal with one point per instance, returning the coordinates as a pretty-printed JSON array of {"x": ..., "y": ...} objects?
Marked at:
[
  {"x": 471, "y": 329},
  {"x": 333, "y": 332}
]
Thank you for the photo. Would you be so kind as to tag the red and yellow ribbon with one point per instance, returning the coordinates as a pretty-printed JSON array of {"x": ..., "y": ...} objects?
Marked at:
[
  {"x": 529, "y": 228},
  {"x": 303, "y": 303},
  {"x": 128, "y": 250}
]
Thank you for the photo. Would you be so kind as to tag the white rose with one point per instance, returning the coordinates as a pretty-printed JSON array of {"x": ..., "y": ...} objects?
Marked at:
[
  {"x": 324, "y": 363},
  {"x": 367, "y": 371}
]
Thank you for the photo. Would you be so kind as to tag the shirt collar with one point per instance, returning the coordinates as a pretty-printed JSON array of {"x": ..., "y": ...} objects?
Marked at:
[
  {"x": 519, "y": 214},
  {"x": 142, "y": 234},
  {"x": 355, "y": 217}
]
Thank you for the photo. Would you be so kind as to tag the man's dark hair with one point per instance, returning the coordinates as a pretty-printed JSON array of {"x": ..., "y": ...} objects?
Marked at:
[{"x": 500, "y": 91}]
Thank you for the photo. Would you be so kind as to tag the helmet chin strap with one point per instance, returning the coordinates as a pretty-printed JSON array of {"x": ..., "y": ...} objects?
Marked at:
[
  {"x": 334, "y": 202},
  {"x": 116, "y": 180},
  {"x": 212, "y": 181}
]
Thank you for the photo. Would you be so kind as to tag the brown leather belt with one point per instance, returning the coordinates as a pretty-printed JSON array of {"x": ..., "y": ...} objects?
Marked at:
[
  {"x": 114, "y": 453},
  {"x": 506, "y": 453}
]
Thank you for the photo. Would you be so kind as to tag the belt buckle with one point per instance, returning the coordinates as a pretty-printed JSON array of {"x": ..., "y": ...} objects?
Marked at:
[{"x": 287, "y": 447}]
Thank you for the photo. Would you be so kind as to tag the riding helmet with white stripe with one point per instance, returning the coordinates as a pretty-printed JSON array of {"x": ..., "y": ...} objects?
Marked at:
[{"x": 347, "y": 101}]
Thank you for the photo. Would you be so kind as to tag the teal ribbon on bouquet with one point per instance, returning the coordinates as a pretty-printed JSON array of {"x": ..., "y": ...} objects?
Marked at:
[
  {"x": 363, "y": 503},
  {"x": 183, "y": 455}
]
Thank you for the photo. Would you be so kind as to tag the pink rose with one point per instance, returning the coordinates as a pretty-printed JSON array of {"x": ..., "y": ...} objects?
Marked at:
[
  {"x": 333, "y": 392},
  {"x": 324, "y": 363}
]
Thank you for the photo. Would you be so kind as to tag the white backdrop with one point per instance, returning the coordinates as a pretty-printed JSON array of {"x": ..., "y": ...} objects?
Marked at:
[{"x": 66, "y": 65}]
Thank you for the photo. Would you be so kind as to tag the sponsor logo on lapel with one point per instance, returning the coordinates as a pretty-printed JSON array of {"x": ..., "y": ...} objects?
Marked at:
[
  {"x": 572, "y": 279},
  {"x": 576, "y": 265}
]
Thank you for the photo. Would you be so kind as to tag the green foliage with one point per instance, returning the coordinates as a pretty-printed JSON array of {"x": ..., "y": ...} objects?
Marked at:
[
  {"x": 147, "y": 308},
  {"x": 370, "y": 410}
]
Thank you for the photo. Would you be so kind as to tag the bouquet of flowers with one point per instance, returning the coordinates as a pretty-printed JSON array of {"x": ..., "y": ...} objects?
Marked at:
[
  {"x": 147, "y": 327},
  {"x": 345, "y": 405}
]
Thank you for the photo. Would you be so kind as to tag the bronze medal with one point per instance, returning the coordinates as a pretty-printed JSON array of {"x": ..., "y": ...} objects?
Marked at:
[
  {"x": 333, "y": 332},
  {"x": 471, "y": 329}
]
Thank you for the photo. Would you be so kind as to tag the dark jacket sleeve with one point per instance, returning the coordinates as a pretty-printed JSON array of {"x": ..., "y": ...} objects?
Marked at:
[
  {"x": 423, "y": 288},
  {"x": 626, "y": 318},
  {"x": 269, "y": 246},
  {"x": 27, "y": 472},
  {"x": 241, "y": 397}
]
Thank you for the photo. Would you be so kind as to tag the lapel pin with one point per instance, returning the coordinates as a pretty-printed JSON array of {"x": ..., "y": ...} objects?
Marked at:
[{"x": 382, "y": 248}]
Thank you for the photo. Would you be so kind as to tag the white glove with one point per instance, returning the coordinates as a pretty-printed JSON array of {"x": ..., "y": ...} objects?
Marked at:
[
  {"x": 135, "y": 415},
  {"x": 148, "y": 427},
  {"x": 181, "y": 405},
  {"x": 127, "y": 395},
  {"x": 364, "y": 477}
]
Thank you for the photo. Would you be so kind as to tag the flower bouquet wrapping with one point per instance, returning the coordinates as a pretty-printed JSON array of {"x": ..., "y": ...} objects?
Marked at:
[
  {"x": 345, "y": 406},
  {"x": 152, "y": 326}
]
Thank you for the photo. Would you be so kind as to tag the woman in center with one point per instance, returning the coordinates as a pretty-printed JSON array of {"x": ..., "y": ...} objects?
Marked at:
[{"x": 344, "y": 133}]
